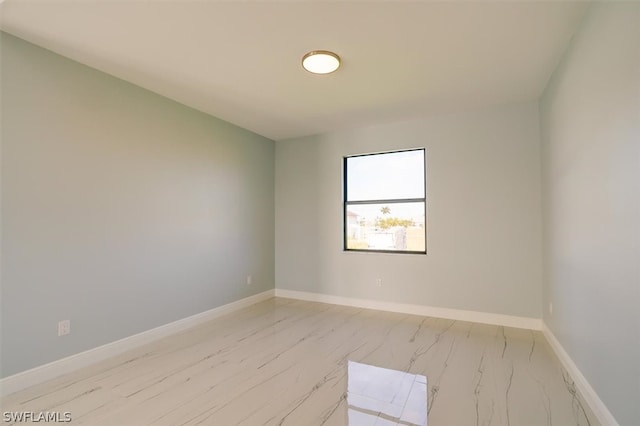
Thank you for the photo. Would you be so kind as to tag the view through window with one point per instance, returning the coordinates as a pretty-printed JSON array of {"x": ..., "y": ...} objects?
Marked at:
[{"x": 385, "y": 202}]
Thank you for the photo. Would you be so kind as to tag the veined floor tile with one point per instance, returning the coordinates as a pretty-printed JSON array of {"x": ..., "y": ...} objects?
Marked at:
[{"x": 287, "y": 362}]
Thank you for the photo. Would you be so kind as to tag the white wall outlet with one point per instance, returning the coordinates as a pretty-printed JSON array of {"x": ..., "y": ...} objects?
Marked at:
[
  {"x": 379, "y": 282},
  {"x": 550, "y": 308},
  {"x": 249, "y": 279},
  {"x": 64, "y": 327}
]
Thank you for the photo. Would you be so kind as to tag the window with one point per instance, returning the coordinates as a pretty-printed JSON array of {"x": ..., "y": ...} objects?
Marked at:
[{"x": 385, "y": 202}]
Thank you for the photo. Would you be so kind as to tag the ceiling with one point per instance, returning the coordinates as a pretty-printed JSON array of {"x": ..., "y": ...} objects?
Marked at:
[{"x": 241, "y": 61}]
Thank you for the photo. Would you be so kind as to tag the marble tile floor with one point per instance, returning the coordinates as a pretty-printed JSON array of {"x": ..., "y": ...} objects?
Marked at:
[{"x": 288, "y": 362}]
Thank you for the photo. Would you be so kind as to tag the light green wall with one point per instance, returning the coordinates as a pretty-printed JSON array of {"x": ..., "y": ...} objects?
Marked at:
[
  {"x": 484, "y": 218},
  {"x": 121, "y": 210},
  {"x": 590, "y": 116}
]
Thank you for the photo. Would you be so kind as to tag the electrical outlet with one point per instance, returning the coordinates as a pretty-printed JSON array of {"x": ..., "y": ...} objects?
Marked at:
[
  {"x": 249, "y": 279},
  {"x": 379, "y": 282},
  {"x": 64, "y": 327}
]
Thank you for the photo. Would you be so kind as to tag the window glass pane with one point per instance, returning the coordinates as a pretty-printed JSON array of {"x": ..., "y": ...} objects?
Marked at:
[
  {"x": 393, "y": 226},
  {"x": 386, "y": 176}
]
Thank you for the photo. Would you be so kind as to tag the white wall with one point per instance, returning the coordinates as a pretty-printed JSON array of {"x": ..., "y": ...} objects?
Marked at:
[
  {"x": 121, "y": 210},
  {"x": 590, "y": 116},
  {"x": 484, "y": 218}
]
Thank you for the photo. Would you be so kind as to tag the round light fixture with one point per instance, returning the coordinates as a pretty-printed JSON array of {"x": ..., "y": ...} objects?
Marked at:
[{"x": 321, "y": 62}]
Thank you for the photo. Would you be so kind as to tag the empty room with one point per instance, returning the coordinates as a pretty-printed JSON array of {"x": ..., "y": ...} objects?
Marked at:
[{"x": 320, "y": 213}]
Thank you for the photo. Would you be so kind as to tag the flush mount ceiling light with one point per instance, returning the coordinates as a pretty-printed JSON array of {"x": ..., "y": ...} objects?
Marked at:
[{"x": 321, "y": 62}]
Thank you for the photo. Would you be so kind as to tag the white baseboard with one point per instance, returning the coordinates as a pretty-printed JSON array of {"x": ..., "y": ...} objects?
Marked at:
[
  {"x": 588, "y": 393},
  {"x": 71, "y": 363},
  {"x": 427, "y": 311}
]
